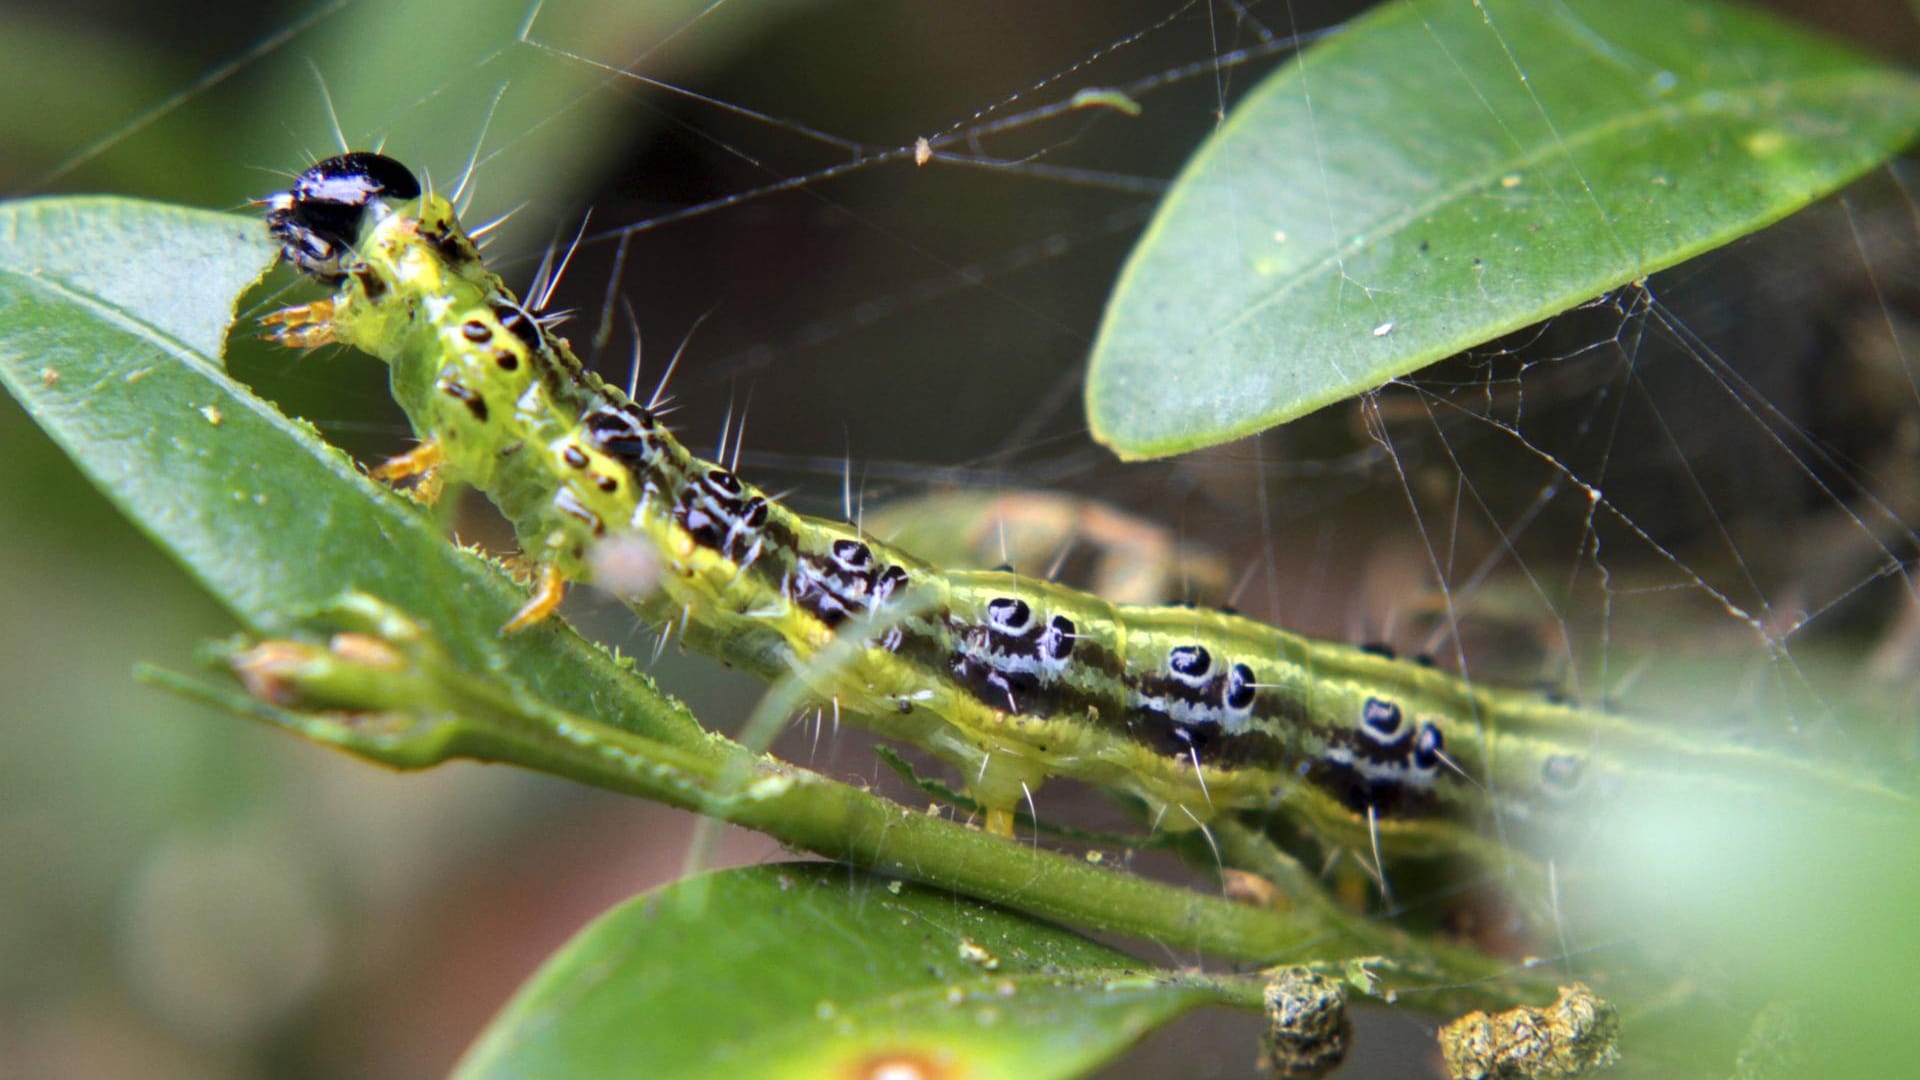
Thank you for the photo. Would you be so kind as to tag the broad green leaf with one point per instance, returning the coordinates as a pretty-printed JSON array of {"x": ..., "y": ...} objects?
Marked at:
[
  {"x": 112, "y": 314},
  {"x": 810, "y": 970},
  {"x": 1443, "y": 172}
]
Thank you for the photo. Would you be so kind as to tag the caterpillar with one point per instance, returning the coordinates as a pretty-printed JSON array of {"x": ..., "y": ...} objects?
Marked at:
[{"x": 1011, "y": 680}]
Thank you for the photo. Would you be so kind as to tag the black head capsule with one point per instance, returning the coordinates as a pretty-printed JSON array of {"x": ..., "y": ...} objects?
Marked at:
[{"x": 319, "y": 220}]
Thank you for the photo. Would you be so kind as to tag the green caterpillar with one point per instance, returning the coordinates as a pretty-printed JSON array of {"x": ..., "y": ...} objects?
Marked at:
[{"x": 1010, "y": 679}]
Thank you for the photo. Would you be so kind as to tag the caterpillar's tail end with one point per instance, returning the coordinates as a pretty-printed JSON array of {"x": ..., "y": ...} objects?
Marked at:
[
  {"x": 302, "y": 326},
  {"x": 548, "y": 591}
]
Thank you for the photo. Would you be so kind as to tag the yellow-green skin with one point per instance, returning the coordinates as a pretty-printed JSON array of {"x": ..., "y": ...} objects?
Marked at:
[{"x": 509, "y": 412}]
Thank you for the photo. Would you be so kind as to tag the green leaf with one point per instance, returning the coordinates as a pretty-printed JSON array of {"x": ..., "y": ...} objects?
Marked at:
[
  {"x": 112, "y": 314},
  {"x": 809, "y": 970},
  {"x": 1441, "y": 173}
]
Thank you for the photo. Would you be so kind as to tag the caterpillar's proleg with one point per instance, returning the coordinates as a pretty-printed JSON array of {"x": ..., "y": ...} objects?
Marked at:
[{"x": 1000, "y": 821}]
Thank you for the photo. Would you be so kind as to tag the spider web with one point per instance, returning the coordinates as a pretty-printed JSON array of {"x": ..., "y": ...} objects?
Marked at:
[{"x": 883, "y": 237}]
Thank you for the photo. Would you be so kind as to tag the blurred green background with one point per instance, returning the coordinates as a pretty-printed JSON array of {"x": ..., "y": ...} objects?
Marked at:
[{"x": 182, "y": 895}]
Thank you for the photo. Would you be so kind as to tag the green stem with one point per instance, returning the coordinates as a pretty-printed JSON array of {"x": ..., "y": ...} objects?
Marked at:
[
  {"x": 392, "y": 697},
  {"x": 798, "y": 808}
]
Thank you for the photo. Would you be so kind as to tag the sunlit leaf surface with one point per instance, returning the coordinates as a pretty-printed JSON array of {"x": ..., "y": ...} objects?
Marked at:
[
  {"x": 1443, "y": 172},
  {"x": 811, "y": 970}
]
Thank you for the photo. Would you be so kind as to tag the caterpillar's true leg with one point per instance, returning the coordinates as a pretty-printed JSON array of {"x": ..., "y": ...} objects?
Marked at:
[
  {"x": 418, "y": 461},
  {"x": 421, "y": 463},
  {"x": 548, "y": 591},
  {"x": 302, "y": 326}
]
